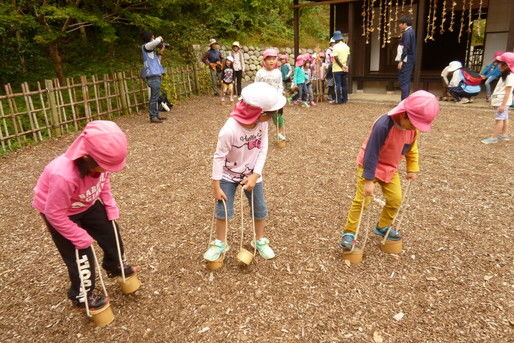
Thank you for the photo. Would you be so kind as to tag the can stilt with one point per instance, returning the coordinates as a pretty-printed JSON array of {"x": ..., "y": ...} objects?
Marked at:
[
  {"x": 245, "y": 256},
  {"x": 354, "y": 256},
  {"x": 392, "y": 247},
  {"x": 103, "y": 316},
  {"x": 130, "y": 285}
]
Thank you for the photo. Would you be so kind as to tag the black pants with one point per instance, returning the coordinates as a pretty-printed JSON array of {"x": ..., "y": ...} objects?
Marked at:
[
  {"x": 238, "y": 77},
  {"x": 95, "y": 222}
]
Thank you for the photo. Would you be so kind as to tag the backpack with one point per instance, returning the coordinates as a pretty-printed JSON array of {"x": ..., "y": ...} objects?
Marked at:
[
  {"x": 164, "y": 104},
  {"x": 471, "y": 77}
]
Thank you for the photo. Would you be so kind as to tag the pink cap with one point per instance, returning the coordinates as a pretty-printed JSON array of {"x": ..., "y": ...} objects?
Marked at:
[
  {"x": 421, "y": 107},
  {"x": 508, "y": 58},
  {"x": 104, "y": 141},
  {"x": 269, "y": 52},
  {"x": 299, "y": 61},
  {"x": 284, "y": 57},
  {"x": 497, "y": 54}
]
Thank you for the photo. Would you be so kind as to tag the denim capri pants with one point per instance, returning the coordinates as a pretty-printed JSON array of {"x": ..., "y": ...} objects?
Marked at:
[{"x": 259, "y": 204}]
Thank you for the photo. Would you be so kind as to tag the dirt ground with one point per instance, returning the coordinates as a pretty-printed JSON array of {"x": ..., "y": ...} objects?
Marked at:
[{"x": 453, "y": 282}]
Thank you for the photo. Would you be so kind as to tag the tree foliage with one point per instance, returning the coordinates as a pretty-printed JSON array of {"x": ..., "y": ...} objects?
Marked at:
[{"x": 70, "y": 36}]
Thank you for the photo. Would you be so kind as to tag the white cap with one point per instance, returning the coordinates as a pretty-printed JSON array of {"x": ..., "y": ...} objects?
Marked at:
[
  {"x": 454, "y": 65},
  {"x": 332, "y": 40},
  {"x": 263, "y": 95},
  {"x": 230, "y": 58}
]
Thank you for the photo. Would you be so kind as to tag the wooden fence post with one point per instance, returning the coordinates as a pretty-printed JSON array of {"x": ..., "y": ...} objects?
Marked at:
[
  {"x": 122, "y": 93},
  {"x": 195, "y": 79},
  {"x": 54, "y": 114}
]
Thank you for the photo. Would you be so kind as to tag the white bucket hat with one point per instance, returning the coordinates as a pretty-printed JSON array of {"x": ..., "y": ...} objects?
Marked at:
[
  {"x": 263, "y": 95},
  {"x": 236, "y": 43},
  {"x": 212, "y": 41},
  {"x": 454, "y": 65}
]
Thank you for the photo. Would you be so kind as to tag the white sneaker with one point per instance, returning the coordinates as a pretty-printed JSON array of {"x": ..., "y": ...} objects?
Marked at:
[
  {"x": 464, "y": 101},
  {"x": 281, "y": 137}
]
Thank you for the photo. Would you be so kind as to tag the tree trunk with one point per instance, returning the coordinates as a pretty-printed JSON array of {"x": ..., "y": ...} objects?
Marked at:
[
  {"x": 83, "y": 34},
  {"x": 53, "y": 50},
  {"x": 20, "y": 55}
]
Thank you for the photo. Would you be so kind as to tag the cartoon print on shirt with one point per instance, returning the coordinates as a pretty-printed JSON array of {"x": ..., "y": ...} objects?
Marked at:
[
  {"x": 251, "y": 141},
  {"x": 239, "y": 175}
]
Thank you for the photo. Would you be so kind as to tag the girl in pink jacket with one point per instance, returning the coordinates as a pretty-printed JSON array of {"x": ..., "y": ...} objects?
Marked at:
[{"x": 73, "y": 196}]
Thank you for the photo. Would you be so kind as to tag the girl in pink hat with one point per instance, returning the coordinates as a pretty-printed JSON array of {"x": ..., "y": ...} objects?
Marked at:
[
  {"x": 501, "y": 99},
  {"x": 272, "y": 75},
  {"x": 239, "y": 160},
  {"x": 392, "y": 136},
  {"x": 73, "y": 196}
]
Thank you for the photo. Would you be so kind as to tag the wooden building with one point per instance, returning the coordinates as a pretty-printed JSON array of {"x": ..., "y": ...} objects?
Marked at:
[{"x": 466, "y": 30}]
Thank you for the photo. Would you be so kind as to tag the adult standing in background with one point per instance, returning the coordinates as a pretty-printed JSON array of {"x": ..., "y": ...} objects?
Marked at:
[
  {"x": 340, "y": 53},
  {"x": 408, "y": 54},
  {"x": 214, "y": 60},
  {"x": 152, "y": 72},
  {"x": 239, "y": 65}
]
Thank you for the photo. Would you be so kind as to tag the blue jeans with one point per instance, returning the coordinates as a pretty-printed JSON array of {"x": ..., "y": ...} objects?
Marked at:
[
  {"x": 404, "y": 77},
  {"x": 154, "y": 82},
  {"x": 259, "y": 204},
  {"x": 487, "y": 84},
  {"x": 302, "y": 92},
  {"x": 341, "y": 87}
]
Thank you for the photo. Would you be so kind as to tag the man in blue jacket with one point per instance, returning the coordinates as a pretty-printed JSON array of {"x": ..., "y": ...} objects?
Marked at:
[
  {"x": 152, "y": 72},
  {"x": 408, "y": 55}
]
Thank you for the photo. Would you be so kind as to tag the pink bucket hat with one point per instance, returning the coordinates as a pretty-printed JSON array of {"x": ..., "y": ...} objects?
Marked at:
[
  {"x": 421, "y": 107},
  {"x": 299, "y": 61},
  {"x": 269, "y": 52},
  {"x": 104, "y": 141},
  {"x": 256, "y": 98},
  {"x": 283, "y": 57},
  {"x": 508, "y": 58}
]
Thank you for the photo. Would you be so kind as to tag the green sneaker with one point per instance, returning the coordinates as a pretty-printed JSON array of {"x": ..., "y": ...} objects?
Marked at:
[
  {"x": 503, "y": 138},
  {"x": 489, "y": 140},
  {"x": 264, "y": 249},
  {"x": 216, "y": 248}
]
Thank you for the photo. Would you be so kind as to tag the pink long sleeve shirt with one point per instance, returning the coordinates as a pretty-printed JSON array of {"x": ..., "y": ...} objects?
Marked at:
[
  {"x": 240, "y": 151},
  {"x": 60, "y": 192}
]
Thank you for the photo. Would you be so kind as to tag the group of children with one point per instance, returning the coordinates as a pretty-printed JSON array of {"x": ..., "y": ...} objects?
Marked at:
[{"x": 73, "y": 194}]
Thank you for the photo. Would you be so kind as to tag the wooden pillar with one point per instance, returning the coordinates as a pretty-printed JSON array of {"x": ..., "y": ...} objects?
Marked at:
[
  {"x": 419, "y": 43},
  {"x": 351, "y": 40},
  {"x": 332, "y": 16},
  {"x": 510, "y": 37},
  {"x": 296, "y": 19}
]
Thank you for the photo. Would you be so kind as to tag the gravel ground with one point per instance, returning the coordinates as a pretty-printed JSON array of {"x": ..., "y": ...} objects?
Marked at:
[{"x": 452, "y": 283}]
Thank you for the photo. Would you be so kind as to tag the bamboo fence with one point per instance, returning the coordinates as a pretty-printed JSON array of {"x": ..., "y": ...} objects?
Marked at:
[{"x": 51, "y": 109}]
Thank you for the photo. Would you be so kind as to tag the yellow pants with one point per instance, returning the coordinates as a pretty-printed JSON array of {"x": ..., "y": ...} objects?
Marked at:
[{"x": 392, "y": 192}]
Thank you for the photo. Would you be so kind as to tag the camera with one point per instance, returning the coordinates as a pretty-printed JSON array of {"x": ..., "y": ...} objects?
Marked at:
[{"x": 163, "y": 44}]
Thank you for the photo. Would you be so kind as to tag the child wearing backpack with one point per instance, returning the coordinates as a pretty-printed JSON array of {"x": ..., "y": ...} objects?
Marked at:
[
  {"x": 490, "y": 73},
  {"x": 464, "y": 84},
  {"x": 501, "y": 98}
]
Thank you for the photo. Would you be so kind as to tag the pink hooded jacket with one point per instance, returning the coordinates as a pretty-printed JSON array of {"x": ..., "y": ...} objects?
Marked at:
[{"x": 60, "y": 191}]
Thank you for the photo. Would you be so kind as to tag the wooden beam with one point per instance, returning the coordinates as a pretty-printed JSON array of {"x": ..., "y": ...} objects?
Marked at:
[
  {"x": 296, "y": 24},
  {"x": 351, "y": 40},
  {"x": 332, "y": 16},
  {"x": 321, "y": 3},
  {"x": 510, "y": 37},
  {"x": 419, "y": 43}
]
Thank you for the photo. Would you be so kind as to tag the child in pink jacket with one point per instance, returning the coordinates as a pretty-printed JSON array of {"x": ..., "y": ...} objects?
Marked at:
[
  {"x": 239, "y": 160},
  {"x": 73, "y": 196},
  {"x": 392, "y": 136}
]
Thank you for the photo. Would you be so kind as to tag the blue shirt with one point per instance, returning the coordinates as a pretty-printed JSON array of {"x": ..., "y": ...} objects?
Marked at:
[{"x": 408, "y": 41}]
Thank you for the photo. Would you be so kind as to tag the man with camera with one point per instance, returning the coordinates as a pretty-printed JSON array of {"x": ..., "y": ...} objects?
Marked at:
[
  {"x": 152, "y": 71},
  {"x": 214, "y": 60}
]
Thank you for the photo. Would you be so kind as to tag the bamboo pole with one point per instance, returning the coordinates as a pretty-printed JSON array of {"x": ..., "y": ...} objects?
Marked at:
[
  {"x": 72, "y": 103},
  {"x": 36, "y": 130},
  {"x": 29, "y": 114},
  {"x": 12, "y": 112},
  {"x": 52, "y": 100},
  {"x": 5, "y": 127},
  {"x": 85, "y": 97},
  {"x": 97, "y": 95},
  {"x": 107, "y": 89},
  {"x": 43, "y": 106},
  {"x": 61, "y": 105}
]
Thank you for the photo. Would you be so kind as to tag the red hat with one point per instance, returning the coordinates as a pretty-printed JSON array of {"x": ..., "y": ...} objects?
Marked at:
[
  {"x": 421, "y": 107},
  {"x": 508, "y": 58},
  {"x": 103, "y": 141}
]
